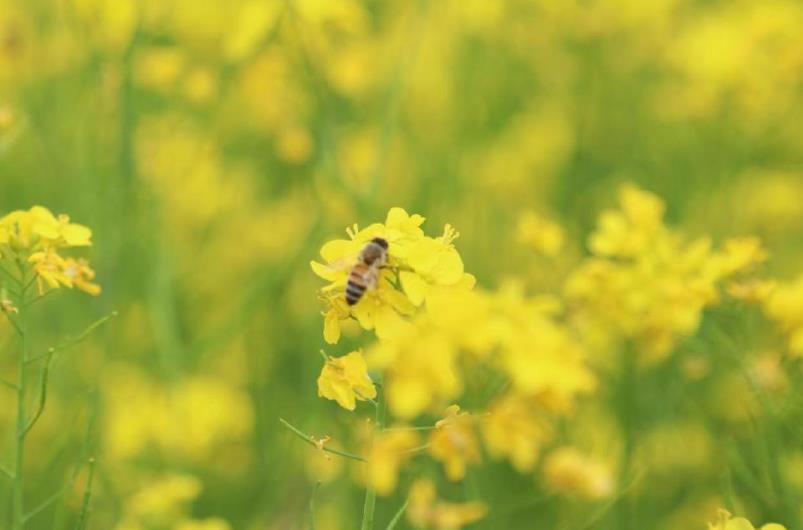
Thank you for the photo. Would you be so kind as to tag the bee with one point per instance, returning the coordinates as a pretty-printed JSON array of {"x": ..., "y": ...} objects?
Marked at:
[{"x": 365, "y": 273}]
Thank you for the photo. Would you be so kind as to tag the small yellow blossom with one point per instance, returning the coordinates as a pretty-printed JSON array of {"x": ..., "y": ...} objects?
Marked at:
[
  {"x": 540, "y": 234},
  {"x": 454, "y": 443},
  {"x": 785, "y": 306},
  {"x": 728, "y": 522},
  {"x": 164, "y": 495},
  {"x": 385, "y": 457},
  {"x": 516, "y": 428},
  {"x": 570, "y": 472},
  {"x": 50, "y": 268},
  {"x": 426, "y": 511},
  {"x": 81, "y": 274},
  {"x": 345, "y": 380}
]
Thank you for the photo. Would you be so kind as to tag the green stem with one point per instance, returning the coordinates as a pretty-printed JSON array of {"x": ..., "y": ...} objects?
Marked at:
[
  {"x": 18, "y": 505},
  {"x": 369, "y": 507},
  {"x": 396, "y": 518},
  {"x": 309, "y": 439},
  {"x": 84, "y": 515}
]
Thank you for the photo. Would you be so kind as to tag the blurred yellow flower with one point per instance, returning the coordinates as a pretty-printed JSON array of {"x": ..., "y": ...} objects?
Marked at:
[
  {"x": 542, "y": 235},
  {"x": 454, "y": 443},
  {"x": 388, "y": 451},
  {"x": 645, "y": 282},
  {"x": 191, "y": 420},
  {"x": 515, "y": 427},
  {"x": 164, "y": 496},
  {"x": 345, "y": 380},
  {"x": 785, "y": 306},
  {"x": 727, "y": 522},
  {"x": 426, "y": 511},
  {"x": 164, "y": 502},
  {"x": 568, "y": 471}
]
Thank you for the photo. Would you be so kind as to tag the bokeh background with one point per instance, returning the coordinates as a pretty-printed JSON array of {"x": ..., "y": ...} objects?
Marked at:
[{"x": 214, "y": 146}]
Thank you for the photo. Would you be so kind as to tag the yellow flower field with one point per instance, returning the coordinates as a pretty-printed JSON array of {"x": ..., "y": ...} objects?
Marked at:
[{"x": 413, "y": 264}]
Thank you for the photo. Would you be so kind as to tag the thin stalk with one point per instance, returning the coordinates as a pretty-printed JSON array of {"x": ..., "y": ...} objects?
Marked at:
[
  {"x": 83, "y": 517},
  {"x": 309, "y": 439},
  {"x": 369, "y": 506},
  {"x": 18, "y": 505},
  {"x": 396, "y": 518}
]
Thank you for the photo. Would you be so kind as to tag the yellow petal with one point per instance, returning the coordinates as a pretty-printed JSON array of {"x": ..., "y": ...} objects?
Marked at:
[
  {"x": 331, "y": 327},
  {"x": 326, "y": 272},
  {"x": 77, "y": 235},
  {"x": 414, "y": 286},
  {"x": 449, "y": 268},
  {"x": 339, "y": 249},
  {"x": 739, "y": 523}
]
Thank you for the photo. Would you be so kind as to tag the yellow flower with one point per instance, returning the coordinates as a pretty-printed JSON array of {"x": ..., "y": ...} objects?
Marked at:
[
  {"x": 54, "y": 271},
  {"x": 345, "y": 380},
  {"x": 426, "y": 511},
  {"x": 415, "y": 263},
  {"x": 727, "y": 522},
  {"x": 454, "y": 443},
  {"x": 627, "y": 232},
  {"x": 785, "y": 306},
  {"x": 540, "y": 234},
  {"x": 49, "y": 268},
  {"x": 570, "y": 472},
  {"x": 388, "y": 452},
  {"x": 423, "y": 366},
  {"x": 646, "y": 282},
  {"x": 81, "y": 274},
  {"x": 164, "y": 495},
  {"x": 514, "y": 428},
  {"x": 38, "y": 229}
]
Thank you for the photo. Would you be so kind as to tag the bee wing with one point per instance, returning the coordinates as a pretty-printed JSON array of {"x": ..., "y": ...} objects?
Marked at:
[{"x": 331, "y": 271}]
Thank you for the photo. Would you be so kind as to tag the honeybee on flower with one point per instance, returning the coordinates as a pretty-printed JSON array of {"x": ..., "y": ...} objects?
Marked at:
[{"x": 395, "y": 283}]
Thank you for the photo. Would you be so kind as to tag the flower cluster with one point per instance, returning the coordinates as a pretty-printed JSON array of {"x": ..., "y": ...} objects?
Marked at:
[
  {"x": 32, "y": 239},
  {"x": 416, "y": 264},
  {"x": 645, "y": 282},
  {"x": 434, "y": 331}
]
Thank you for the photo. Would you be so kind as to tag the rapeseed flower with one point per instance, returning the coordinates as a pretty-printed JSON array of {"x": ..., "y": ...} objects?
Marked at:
[
  {"x": 423, "y": 365},
  {"x": 346, "y": 380},
  {"x": 569, "y": 471},
  {"x": 540, "y": 234},
  {"x": 515, "y": 428},
  {"x": 645, "y": 282},
  {"x": 454, "y": 443},
  {"x": 416, "y": 262},
  {"x": 387, "y": 453},
  {"x": 34, "y": 238},
  {"x": 785, "y": 306},
  {"x": 427, "y": 511},
  {"x": 727, "y": 522}
]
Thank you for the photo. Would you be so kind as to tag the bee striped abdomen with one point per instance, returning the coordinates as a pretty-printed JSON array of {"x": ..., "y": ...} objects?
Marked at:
[{"x": 356, "y": 285}]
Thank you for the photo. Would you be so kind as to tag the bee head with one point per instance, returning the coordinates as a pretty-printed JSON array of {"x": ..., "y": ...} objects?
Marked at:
[{"x": 381, "y": 242}]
